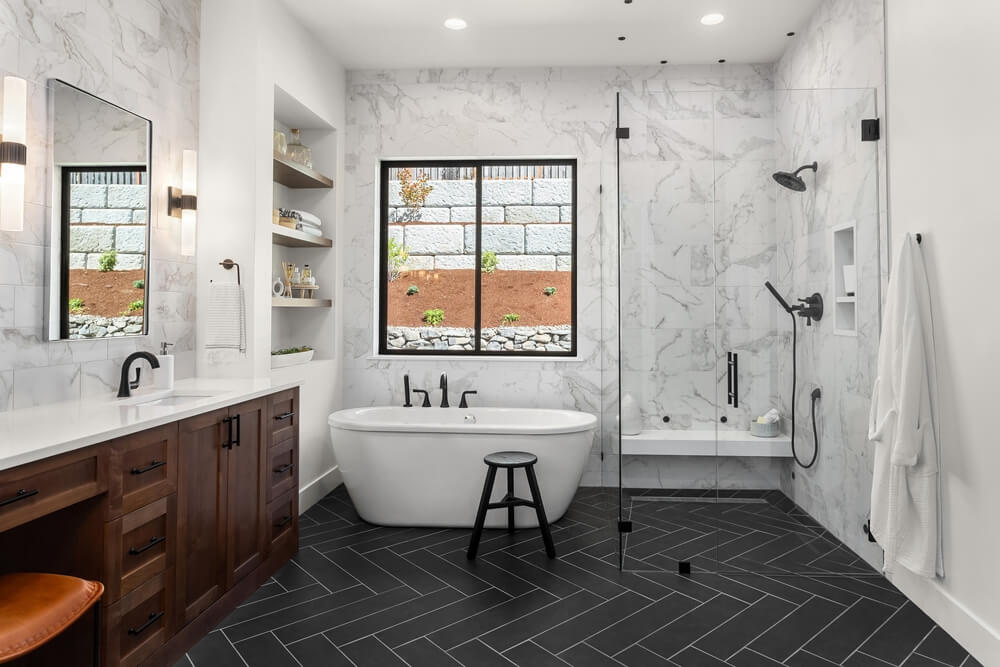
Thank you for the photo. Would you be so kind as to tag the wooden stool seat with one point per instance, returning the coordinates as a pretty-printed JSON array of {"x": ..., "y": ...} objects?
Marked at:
[{"x": 34, "y": 608}]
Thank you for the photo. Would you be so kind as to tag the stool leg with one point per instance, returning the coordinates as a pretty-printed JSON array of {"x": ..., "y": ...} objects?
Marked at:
[
  {"x": 477, "y": 530},
  {"x": 510, "y": 494},
  {"x": 536, "y": 498}
]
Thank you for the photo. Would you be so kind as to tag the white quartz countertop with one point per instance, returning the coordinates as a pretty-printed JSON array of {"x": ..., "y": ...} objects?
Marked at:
[{"x": 36, "y": 433}]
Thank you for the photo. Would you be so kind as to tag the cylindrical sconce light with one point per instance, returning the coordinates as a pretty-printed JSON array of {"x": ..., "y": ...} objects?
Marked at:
[
  {"x": 13, "y": 153},
  {"x": 183, "y": 203}
]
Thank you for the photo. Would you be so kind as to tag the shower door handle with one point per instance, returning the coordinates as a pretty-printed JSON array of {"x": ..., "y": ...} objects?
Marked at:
[{"x": 733, "y": 379}]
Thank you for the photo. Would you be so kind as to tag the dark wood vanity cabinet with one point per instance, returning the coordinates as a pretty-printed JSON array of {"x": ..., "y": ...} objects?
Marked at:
[{"x": 180, "y": 522}]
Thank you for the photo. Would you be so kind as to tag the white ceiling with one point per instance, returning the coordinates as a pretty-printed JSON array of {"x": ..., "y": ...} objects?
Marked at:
[{"x": 371, "y": 34}]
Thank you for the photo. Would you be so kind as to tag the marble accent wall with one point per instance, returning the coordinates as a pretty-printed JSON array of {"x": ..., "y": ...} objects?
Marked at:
[
  {"x": 141, "y": 55},
  {"x": 520, "y": 112},
  {"x": 840, "y": 58}
]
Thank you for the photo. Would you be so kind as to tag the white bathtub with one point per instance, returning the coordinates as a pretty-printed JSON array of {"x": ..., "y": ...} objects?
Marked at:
[{"x": 424, "y": 466}]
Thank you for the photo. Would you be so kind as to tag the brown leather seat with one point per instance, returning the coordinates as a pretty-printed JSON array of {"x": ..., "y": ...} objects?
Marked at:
[{"x": 34, "y": 608}]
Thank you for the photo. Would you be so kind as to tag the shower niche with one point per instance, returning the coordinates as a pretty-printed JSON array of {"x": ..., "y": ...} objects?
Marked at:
[{"x": 845, "y": 280}]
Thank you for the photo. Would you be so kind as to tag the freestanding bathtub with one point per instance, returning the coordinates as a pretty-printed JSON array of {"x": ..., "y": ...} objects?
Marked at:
[{"x": 424, "y": 466}]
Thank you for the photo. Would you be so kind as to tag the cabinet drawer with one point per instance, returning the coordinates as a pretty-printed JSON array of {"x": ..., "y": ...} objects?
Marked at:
[
  {"x": 282, "y": 519},
  {"x": 138, "y": 546},
  {"x": 284, "y": 415},
  {"x": 144, "y": 469},
  {"x": 139, "y": 623},
  {"x": 282, "y": 469},
  {"x": 36, "y": 489}
]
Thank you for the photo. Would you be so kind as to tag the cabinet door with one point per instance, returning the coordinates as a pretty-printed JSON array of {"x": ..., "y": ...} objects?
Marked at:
[
  {"x": 247, "y": 490},
  {"x": 201, "y": 514}
]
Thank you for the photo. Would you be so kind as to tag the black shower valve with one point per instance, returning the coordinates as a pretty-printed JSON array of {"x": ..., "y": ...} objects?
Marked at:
[{"x": 812, "y": 308}]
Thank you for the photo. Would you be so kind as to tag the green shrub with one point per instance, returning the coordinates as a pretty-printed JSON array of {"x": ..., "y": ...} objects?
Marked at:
[
  {"x": 76, "y": 306},
  {"x": 291, "y": 350},
  {"x": 489, "y": 261},
  {"x": 139, "y": 284},
  {"x": 434, "y": 316},
  {"x": 511, "y": 318},
  {"x": 411, "y": 290},
  {"x": 108, "y": 261},
  {"x": 549, "y": 291},
  {"x": 135, "y": 305},
  {"x": 398, "y": 254}
]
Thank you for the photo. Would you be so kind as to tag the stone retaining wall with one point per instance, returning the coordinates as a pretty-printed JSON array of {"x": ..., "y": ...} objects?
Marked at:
[
  {"x": 511, "y": 339},
  {"x": 95, "y": 326},
  {"x": 107, "y": 217},
  {"x": 527, "y": 223}
]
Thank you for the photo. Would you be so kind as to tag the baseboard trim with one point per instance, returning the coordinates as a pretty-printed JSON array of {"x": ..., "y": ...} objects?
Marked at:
[
  {"x": 316, "y": 490},
  {"x": 968, "y": 629}
]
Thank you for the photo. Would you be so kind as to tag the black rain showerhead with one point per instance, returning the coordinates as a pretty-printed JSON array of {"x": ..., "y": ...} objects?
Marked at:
[{"x": 792, "y": 180}]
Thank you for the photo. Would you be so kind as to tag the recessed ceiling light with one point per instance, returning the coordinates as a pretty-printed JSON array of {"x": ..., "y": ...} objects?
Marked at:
[
  {"x": 456, "y": 24},
  {"x": 621, "y": 38},
  {"x": 789, "y": 34},
  {"x": 663, "y": 62},
  {"x": 712, "y": 19}
]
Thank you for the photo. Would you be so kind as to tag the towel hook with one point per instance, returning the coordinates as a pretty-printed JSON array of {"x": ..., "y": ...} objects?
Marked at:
[{"x": 228, "y": 264}]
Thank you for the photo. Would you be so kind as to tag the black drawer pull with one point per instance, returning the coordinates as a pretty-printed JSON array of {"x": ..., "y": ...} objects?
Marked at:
[
  {"x": 283, "y": 416},
  {"x": 20, "y": 495},
  {"x": 153, "y": 541},
  {"x": 153, "y": 465},
  {"x": 283, "y": 467},
  {"x": 153, "y": 618},
  {"x": 283, "y": 521}
]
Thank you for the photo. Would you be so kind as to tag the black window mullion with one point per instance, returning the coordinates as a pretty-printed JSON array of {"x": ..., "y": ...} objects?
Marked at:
[{"x": 479, "y": 260}]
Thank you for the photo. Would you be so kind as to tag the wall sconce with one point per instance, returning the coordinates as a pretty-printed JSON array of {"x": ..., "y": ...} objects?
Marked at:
[
  {"x": 13, "y": 153},
  {"x": 183, "y": 202}
]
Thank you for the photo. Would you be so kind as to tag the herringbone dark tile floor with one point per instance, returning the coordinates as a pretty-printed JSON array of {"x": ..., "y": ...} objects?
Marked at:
[{"x": 358, "y": 594}]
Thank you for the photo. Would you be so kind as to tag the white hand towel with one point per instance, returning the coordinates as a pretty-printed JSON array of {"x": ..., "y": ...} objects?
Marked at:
[{"x": 227, "y": 319}]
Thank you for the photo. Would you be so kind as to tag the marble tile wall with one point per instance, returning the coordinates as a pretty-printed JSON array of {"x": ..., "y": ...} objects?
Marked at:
[
  {"x": 536, "y": 112},
  {"x": 141, "y": 55}
]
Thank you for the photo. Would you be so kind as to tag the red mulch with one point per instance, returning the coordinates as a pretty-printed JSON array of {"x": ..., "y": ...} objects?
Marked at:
[
  {"x": 106, "y": 293},
  {"x": 454, "y": 292}
]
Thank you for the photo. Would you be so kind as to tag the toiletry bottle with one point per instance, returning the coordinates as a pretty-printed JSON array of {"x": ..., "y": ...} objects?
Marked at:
[{"x": 163, "y": 377}]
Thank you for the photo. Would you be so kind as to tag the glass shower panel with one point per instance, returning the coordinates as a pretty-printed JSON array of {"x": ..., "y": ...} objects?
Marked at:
[
  {"x": 778, "y": 516},
  {"x": 667, "y": 329}
]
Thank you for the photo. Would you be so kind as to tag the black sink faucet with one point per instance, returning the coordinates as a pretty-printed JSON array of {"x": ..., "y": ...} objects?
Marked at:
[
  {"x": 125, "y": 385},
  {"x": 444, "y": 390}
]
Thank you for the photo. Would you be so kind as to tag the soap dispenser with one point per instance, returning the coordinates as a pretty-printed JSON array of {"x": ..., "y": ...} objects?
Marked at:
[{"x": 163, "y": 377}]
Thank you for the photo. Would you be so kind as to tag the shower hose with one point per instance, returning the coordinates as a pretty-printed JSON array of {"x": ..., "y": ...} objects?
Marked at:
[{"x": 812, "y": 408}]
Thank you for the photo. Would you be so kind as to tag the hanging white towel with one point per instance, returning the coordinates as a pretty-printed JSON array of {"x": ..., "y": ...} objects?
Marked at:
[
  {"x": 905, "y": 516},
  {"x": 227, "y": 319}
]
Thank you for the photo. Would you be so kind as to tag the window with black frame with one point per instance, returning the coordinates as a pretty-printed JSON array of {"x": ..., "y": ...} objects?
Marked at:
[{"x": 478, "y": 257}]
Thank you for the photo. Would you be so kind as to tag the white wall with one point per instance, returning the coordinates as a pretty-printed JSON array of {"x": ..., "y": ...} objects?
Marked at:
[
  {"x": 943, "y": 142},
  {"x": 251, "y": 46}
]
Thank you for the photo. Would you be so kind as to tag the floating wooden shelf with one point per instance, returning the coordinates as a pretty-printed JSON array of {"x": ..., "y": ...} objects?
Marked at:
[
  {"x": 295, "y": 175},
  {"x": 288, "y": 302},
  {"x": 293, "y": 238}
]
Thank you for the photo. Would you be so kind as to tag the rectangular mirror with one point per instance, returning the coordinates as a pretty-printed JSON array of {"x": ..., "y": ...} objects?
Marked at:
[{"x": 99, "y": 255}]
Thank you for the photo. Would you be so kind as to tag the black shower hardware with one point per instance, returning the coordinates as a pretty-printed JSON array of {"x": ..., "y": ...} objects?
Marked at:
[
  {"x": 406, "y": 391},
  {"x": 427, "y": 399},
  {"x": 812, "y": 310},
  {"x": 733, "y": 379},
  {"x": 792, "y": 180},
  {"x": 444, "y": 390}
]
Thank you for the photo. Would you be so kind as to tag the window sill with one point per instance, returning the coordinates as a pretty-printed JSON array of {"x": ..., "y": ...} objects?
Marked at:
[{"x": 576, "y": 359}]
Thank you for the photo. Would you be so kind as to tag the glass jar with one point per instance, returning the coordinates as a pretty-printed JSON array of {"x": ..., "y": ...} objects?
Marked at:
[
  {"x": 280, "y": 143},
  {"x": 297, "y": 152}
]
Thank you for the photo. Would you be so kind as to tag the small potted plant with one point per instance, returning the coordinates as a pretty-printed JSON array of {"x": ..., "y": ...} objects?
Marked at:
[{"x": 291, "y": 356}]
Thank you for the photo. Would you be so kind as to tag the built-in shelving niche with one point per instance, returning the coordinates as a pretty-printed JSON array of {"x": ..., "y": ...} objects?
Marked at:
[
  {"x": 296, "y": 322},
  {"x": 845, "y": 280}
]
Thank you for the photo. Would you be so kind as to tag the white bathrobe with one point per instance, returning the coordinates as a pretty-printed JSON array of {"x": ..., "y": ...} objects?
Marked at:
[{"x": 905, "y": 516}]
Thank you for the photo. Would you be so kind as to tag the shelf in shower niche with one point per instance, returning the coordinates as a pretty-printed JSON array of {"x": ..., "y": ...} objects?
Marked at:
[
  {"x": 657, "y": 442},
  {"x": 847, "y": 299}
]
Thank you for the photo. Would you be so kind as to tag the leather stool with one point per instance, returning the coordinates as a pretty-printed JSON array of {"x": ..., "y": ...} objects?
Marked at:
[
  {"x": 34, "y": 608},
  {"x": 510, "y": 461}
]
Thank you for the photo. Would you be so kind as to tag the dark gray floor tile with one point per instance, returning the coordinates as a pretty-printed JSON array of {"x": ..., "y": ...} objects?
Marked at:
[
  {"x": 296, "y": 613},
  {"x": 806, "y": 659},
  {"x": 341, "y": 615},
  {"x": 850, "y": 630},
  {"x": 584, "y": 655},
  {"x": 748, "y": 658},
  {"x": 324, "y": 570},
  {"x": 638, "y": 656},
  {"x": 265, "y": 651},
  {"x": 370, "y": 652},
  {"x": 392, "y": 616},
  {"x": 215, "y": 651},
  {"x": 422, "y": 653},
  {"x": 509, "y": 583},
  {"x": 483, "y": 622},
  {"x": 940, "y": 646},
  {"x": 477, "y": 654},
  {"x": 364, "y": 570},
  {"x": 274, "y": 603},
  {"x": 788, "y": 636},
  {"x": 744, "y": 627},
  {"x": 406, "y": 571},
  {"x": 441, "y": 618},
  {"x": 564, "y": 635},
  {"x": 530, "y": 654},
  {"x": 860, "y": 659},
  {"x": 455, "y": 577},
  {"x": 539, "y": 578},
  {"x": 692, "y": 657},
  {"x": 677, "y": 634},
  {"x": 535, "y": 623},
  {"x": 291, "y": 577},
  {"x": 318, "y": 651},
  {"x": 628, "y": 631}
]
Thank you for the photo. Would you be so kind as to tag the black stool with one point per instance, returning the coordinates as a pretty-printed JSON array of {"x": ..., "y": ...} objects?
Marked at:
[{"x": 511, "y": 460}]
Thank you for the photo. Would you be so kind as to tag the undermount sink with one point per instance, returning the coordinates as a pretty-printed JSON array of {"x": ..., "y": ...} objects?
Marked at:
[{"x": 168, "y": 400}]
